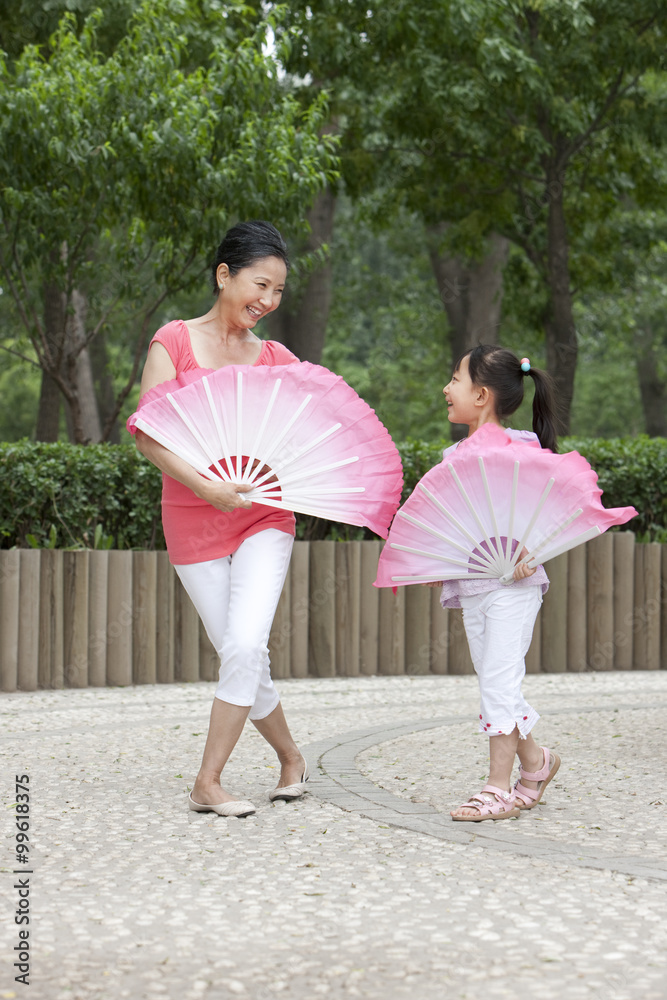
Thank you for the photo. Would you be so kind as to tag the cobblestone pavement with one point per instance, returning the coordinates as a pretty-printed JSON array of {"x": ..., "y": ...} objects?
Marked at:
[{"x": 364, "y": 888}]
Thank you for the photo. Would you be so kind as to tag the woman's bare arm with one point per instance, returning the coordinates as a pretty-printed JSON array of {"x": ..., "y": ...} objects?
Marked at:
[{"x": 223, "y": 496}]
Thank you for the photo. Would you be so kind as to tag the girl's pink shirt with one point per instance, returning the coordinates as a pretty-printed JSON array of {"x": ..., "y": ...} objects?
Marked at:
[{"x": 193, "y": 529}]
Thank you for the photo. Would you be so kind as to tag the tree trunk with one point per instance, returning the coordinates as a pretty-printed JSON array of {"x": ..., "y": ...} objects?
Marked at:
[
  {"x": 301, "y": 321},
  {"x": 66, "y": 368},
  {"x": 472, "y": 294},
  {"x": 105, "y": 391},
  {"x": 561, "y": 334},
  {"x": 651, "y": 386},
  {"x": 84, "y": 412},
  {"x": 48, "y": 414}
]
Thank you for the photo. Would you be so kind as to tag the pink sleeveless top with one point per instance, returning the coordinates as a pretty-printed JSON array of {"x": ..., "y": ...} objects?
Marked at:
[{"x": 193, "y": 529}]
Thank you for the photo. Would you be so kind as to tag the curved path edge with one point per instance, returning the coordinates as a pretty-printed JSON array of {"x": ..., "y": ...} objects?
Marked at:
[{"x": 339, "y": 781}]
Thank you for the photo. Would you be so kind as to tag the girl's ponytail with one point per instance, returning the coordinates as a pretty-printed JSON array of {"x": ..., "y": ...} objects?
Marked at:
[
  {"x": 502, "y": 372},
  {"x": 544, "y": 408}
]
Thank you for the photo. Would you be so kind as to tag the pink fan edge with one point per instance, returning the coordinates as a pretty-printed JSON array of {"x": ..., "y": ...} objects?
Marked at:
[
  {"x": 379, "y": 525},
  {"x": 494, "y": 436}
]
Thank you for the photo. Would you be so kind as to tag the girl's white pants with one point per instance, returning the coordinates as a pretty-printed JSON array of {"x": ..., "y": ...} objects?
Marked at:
[
  {"x": 499, "y": 627},
  {"x": 236, "y": 598}
]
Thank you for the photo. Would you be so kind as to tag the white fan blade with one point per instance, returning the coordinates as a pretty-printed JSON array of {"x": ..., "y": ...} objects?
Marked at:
[
  {"x": 437, "y": 577},
  {"x": 531, "y": 523},
  {"x": 198, "y": 438},
  {"x": 309, "y": 447},
  {"x": 277, "y": 494},
  {"x": 222, "y": 437},
  {"x": 418, "y": 578},
  {"x": 443, "y": 537},
  {"x": 434, "y": 555},
  {"x": 175, "y": 449},
  {"x": 554, "y": 534},
  {"x": 285, "y": 464},
  {"x": 471, "y": 508},
  {"x": 247, "y": 475},
  {"x": 239, "y": 426},
  {"x": 275, "y": 444},
  {"x": 316, "y": 472},
  {"x": 585, "y": 536},
  {"x": 489, "y": 503},
  {"x": 316, "y": 510},
  {"x": 510, "y": 529},
  {"x": 450, "y": 517}
]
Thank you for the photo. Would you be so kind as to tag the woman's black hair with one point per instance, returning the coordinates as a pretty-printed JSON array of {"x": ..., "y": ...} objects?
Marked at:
[
  {"x": 500, "y": 371},
  {"x": 246, "y": 243}
]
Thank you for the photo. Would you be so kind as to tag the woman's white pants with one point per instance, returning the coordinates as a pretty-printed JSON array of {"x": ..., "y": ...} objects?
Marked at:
[
  {"x": 499, "y": 626},
  {"x": 236, "y": 598}
]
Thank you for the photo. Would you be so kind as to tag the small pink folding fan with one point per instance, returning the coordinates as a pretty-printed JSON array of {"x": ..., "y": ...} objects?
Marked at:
[
  {"x": 473, "y": 515},
  {"x": 298, "y": 434}
]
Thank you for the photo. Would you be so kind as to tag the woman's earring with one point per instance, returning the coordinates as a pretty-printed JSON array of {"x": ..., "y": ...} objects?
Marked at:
[{"x": 221, "y": 286}]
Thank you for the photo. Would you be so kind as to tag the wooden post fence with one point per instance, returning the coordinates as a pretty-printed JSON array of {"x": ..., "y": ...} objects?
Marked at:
[{"x": 88, "y": 618}]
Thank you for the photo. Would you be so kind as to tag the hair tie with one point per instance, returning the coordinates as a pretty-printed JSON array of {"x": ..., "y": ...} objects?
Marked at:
[{"x": 525, "y": 365}]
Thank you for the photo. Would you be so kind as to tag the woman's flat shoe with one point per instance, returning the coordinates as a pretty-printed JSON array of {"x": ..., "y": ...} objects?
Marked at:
[
  {"x": 223, "y": 808},
  {"x": 291, "y": 792}
]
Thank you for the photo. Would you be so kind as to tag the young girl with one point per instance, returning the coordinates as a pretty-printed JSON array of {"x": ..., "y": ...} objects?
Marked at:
[{"x": 487, "y": 387}]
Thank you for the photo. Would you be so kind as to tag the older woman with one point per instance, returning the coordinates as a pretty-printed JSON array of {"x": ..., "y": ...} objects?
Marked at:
[{"x": 231, "y": 556}]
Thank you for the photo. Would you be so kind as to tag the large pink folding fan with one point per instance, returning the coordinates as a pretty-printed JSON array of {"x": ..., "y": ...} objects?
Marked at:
[
  {"x": 298, "y": 434},
  {"x": 493, "y": 503}
]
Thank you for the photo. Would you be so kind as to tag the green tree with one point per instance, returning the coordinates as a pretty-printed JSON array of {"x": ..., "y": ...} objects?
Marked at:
[
  {"x": 627, "y": 325},
  {"x": 500, "y": 120},
  {"x": 121, "y": 171},
  {"x": 531, "y": 119},
  {"x": 387, "y": 328}
]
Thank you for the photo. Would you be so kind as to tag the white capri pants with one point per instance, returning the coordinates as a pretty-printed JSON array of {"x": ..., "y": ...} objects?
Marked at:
[
  {"x": 499, "y": 626},
  {"x": 236, "y": 598}
]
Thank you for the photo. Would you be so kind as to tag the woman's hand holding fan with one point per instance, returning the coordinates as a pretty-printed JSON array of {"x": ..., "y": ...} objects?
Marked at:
[
  {"x": 228, "y": 496},
  {"x": 225, "y": 497}
]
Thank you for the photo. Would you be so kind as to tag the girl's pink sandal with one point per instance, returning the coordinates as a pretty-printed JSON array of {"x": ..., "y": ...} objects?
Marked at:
[
  {"x": 498, "y": 804},
  {"x": 526, "y": 798}
]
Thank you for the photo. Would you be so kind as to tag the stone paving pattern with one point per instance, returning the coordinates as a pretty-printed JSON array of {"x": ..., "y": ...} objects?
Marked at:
[{"x": 364, "y": 888}]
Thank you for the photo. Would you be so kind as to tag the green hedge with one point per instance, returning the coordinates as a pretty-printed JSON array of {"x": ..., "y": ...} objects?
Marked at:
[
  {"x": 630, "y": 471},
  {"x": 74, "y": 496},
  {"x": 108, "y": 496}
]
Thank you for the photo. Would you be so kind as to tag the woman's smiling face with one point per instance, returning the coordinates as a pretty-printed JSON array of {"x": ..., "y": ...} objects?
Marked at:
[{"x": 252, "y": 292}]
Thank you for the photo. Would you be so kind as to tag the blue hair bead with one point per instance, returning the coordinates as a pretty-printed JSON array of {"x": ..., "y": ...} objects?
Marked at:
[{"x": 525, "y": 365}]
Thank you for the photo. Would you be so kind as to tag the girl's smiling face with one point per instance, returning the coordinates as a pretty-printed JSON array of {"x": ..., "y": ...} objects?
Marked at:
[{"x": 462, "y": 396}]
